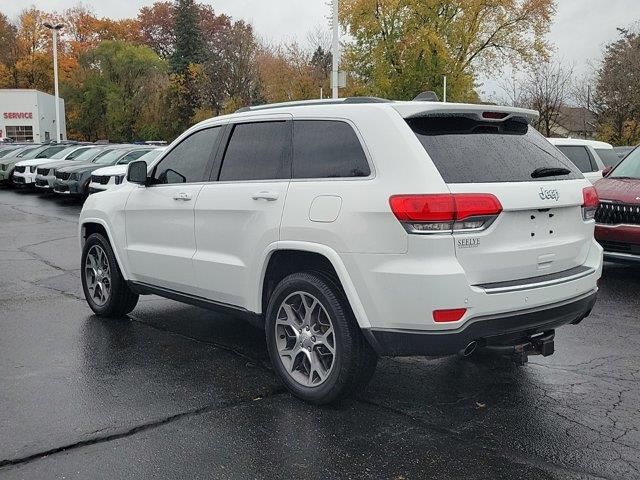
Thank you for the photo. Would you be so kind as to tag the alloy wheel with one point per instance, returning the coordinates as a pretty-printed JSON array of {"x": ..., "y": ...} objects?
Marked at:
[
  {"x": 98, "y": 275},
  {"x": 305, "y": 339}
]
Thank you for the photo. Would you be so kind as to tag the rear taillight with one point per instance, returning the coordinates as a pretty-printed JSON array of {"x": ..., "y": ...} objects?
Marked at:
[
  {"x": 590, "y": 202},
  {"x": 445, "y": 213}
]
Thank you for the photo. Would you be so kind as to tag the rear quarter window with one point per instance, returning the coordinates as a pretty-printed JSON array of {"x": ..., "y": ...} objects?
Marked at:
[
  {"x": 327, "y": 149},
  {"x": 467, "y": 150},
  {"x": 579, "y": 156}
]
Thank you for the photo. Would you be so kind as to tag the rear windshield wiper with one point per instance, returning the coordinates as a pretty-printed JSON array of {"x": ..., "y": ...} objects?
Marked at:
[{"x": 549, "y": 172}]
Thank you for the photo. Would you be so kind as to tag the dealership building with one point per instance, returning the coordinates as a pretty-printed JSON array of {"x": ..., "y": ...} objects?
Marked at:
[{"x": 30, "y": 116}]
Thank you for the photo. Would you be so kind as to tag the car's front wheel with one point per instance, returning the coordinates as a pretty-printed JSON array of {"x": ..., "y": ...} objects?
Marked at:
[
  {"x": 105, "y": 289},
  {"x": 314, "y": 341}
]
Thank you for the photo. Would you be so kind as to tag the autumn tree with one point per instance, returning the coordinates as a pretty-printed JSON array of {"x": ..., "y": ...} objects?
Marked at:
[
  {"x": 120, "y": 80},
  {"x": 617, "y": 95},
  {"x": 157, "y": 27},
  {"x": 547, "y": 88},
  {"x": 403, "y": 47},
  {"x": 230, "y": 70},
  {"x": 289, "y": 72},
  {"x": 8, "y": 53}
]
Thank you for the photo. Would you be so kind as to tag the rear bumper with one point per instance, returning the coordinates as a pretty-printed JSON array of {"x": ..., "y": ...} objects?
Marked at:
[{"x": 504, "y": 329}]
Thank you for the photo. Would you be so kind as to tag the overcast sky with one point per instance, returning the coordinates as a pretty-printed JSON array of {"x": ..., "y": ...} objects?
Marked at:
[{"x": 580, "y": 31}]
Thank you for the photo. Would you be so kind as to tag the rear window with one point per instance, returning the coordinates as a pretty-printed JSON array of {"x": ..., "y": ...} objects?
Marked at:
[
  {"x": 467, "y": 150},
  {"x": 608, "y": 156}
]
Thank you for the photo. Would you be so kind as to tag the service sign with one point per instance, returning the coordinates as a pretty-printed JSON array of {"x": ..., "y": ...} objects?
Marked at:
[{"x": 17, "y": 115}]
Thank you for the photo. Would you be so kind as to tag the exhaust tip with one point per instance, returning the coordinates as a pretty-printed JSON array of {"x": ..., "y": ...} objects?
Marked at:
[{"x": 469, "y": 349}]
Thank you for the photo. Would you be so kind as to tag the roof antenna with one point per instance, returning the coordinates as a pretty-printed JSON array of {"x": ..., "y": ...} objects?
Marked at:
[{"x": 427, "y": 97}]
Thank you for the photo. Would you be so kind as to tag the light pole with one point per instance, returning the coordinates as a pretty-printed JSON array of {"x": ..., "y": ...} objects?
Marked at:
[
  {"x": 335, "y": 50},
  {"x": 55, "y": 29}
]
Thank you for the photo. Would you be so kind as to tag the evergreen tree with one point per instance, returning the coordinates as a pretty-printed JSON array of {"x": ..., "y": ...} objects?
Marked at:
[
  {"x": 187, "y": 55},
  {"x": 189, "y": 45}
]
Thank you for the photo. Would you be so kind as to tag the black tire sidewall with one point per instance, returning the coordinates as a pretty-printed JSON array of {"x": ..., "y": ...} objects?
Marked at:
[
  {"x": 335, "y": 306},
  {"x": 117, "y": 282}
]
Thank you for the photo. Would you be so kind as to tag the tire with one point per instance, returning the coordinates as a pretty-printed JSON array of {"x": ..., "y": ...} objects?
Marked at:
[
  {"x": 84, "y": 189},
  {"x": 115, "y": 299},
  {"x": 293, "y": 347}
]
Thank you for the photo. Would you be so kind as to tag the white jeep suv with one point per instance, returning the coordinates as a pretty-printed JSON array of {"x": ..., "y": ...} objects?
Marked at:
[{"x": 355, "y": 228}]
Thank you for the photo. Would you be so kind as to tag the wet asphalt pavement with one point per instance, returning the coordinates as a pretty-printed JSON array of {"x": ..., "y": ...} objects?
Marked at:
[{"x": 179, "y": 392}]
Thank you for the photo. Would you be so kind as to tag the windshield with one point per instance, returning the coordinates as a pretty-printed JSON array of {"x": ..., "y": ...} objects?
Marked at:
[
  {"x": 7, "y": 151},
  {"x": 629, "y": 167},
  {"x": 131, "y": 156},
  {"x": 31, "y": 153},
  {"x": 87, "y": 155},
  {"x": 62, "y": 153},
  {"x": 110, "y": 157},
  {"x": 151, "y": 156},
  {"x": 48, "y": 152},
  {"x": 608, "y": 156}
]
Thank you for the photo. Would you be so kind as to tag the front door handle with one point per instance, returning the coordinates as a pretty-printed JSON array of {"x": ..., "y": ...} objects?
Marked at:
[
  {"x": 268, "y": 196},
  {"x": 185, "y": 197}
]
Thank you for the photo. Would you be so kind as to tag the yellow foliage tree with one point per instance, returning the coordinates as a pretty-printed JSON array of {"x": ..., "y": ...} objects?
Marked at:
[{"x": 403, "y": 47}]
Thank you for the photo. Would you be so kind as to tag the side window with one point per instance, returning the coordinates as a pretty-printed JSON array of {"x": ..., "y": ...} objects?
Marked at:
[
  {"x": 327, "y": 149},
  {"x": 189, "y": 160},
  {"x": 257, "y": 151},
  {"x": 579, "y": 156}
]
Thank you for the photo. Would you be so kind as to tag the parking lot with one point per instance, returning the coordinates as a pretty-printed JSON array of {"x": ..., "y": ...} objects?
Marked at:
[{"x": 178, "y": 392}]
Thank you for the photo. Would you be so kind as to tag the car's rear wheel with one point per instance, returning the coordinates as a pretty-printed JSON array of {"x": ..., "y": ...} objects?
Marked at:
[
  {"x": 314, "y": 341},
  {"x": 105, "y": 289}
]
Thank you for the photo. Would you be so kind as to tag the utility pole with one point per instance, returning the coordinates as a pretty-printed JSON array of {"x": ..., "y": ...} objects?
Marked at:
[
  {"x": 55, "y": 29},
  {"x": 335, "y": 50}
]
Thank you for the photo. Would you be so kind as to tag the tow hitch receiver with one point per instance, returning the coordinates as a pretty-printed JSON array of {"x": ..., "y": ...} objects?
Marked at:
[{"x": 540, "y": 345}]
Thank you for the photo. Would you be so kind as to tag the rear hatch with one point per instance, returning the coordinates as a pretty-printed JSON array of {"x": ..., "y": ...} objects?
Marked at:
[{"x": 538, "y": 227}]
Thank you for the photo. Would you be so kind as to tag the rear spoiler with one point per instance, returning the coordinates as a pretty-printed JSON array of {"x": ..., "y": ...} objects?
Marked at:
[{"x": 489, "y": 113}]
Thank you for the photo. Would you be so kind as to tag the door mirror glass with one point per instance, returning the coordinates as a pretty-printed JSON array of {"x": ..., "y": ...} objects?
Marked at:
[
  {"x": 607, "y": 171},
  {"x": 137, "y": 172}
]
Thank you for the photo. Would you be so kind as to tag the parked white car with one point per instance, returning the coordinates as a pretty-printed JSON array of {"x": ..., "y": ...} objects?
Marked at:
[
  {"x": 26, "y": 171},
  {"x": 590, "y": 156},
  {"x": 46, "y": 172},
  {"x": 108, "y": 177},
  {"x": 355, "y": 228}
]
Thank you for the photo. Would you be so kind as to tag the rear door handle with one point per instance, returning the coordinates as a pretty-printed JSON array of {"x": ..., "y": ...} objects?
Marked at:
[
  {"x": 268, "y": 196},
  {"x": 185, "y": 197}
]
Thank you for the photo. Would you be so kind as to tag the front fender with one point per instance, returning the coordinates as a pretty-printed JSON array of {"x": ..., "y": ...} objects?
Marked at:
[{"x": 107, "y": 209}]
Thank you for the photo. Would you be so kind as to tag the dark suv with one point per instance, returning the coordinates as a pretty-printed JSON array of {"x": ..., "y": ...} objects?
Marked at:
[{"x": 618, "y": 216}]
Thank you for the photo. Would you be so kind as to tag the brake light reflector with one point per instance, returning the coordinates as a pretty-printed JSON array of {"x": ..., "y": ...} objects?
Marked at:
[
  {"x": 590, "y": 202},
  {"x": 438, "y": 213},
  {"x": 453, "y": 315}
]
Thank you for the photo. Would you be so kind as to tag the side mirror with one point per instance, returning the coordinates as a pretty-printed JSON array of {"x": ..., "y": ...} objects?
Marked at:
[
  {"x": 137, "y": 172},
  {"x": 607, "y": 171}
]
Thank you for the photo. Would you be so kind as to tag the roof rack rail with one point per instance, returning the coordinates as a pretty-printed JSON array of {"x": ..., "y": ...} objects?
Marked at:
[{"x": 301, "y": 103}]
